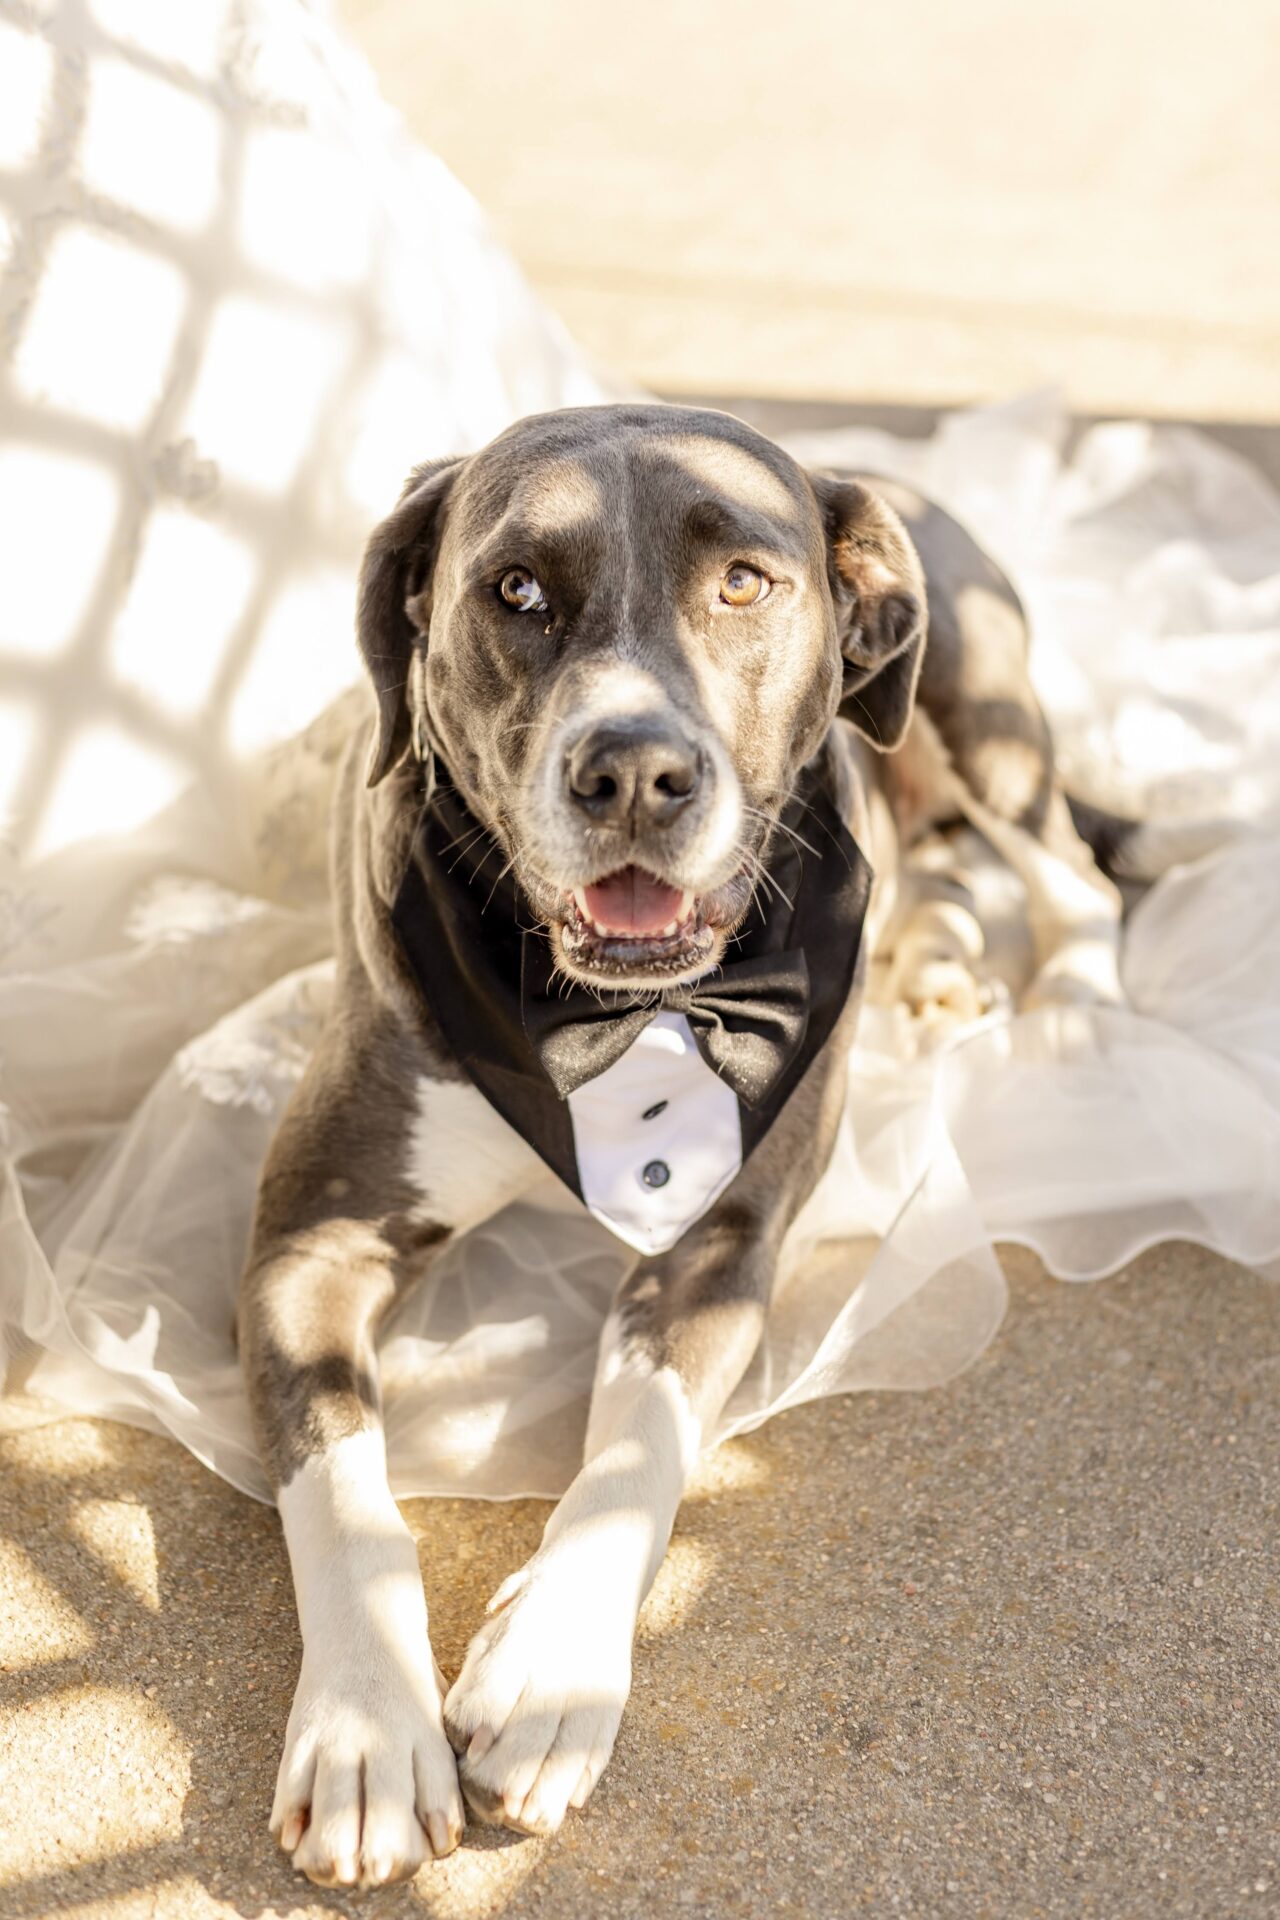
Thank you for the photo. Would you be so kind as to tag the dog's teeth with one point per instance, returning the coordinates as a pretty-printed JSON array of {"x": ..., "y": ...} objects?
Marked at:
[
  {"x": 669, "y": 929},
  {"x": 686, "y": 904}
]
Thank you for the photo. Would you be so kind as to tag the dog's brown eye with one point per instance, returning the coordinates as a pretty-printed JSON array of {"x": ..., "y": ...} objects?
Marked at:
[
  {"x": 520, "y": 590},
  {"x": 743, "y": 586}
]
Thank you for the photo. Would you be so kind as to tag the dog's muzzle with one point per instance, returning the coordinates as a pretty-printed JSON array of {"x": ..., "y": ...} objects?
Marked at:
[{"x": 635, "y": 796}]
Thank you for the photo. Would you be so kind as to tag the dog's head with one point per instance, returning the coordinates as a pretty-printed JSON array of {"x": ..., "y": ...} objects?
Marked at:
[{"x": 625, "y": 630}]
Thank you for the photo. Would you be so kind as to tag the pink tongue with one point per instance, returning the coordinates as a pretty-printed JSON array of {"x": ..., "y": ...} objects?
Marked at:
[{"x": 632, "y": 901}]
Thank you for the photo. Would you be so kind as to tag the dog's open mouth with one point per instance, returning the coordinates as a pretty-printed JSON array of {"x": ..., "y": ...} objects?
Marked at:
[{"x": 631, "y": 922}]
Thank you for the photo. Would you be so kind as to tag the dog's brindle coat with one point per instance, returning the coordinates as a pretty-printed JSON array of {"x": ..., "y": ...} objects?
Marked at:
[{"x": 628, "y": 520}]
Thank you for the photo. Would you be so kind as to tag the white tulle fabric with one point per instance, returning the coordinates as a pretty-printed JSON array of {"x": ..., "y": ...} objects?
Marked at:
[{"x": 162, "y": 990}]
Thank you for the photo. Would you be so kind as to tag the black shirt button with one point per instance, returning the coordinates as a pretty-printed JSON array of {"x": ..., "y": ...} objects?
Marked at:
[{"x": 656, "y": 1174}]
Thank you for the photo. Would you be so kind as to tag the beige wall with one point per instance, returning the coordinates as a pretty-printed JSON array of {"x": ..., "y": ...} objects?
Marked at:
[{"x": 917, "y": 200}]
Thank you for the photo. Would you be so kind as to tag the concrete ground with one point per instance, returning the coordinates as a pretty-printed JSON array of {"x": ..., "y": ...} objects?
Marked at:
[{"x": 1008, "y": 1648}]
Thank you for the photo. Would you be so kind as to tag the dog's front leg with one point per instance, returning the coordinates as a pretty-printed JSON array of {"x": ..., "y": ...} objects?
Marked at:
[
  {"x": 367, "y": 1787},
  {"x": 535, "y": 1710}
]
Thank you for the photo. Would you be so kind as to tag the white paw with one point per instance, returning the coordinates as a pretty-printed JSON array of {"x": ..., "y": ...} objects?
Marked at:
[
  {"x": 368, "y": 1786},
  {"x": 942, "y": 994},
  {"x": 535, "y": 1710}
]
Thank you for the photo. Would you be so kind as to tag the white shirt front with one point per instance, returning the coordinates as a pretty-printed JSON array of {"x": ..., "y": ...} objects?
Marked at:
[{"x": 657, "y": 1136}]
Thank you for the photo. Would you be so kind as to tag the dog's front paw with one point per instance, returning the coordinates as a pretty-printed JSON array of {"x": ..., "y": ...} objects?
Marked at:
[
  {"x": 368, "y": 1787},
  {"x": 535, "y": 1710},
  {"x": 940, "y": 996}
]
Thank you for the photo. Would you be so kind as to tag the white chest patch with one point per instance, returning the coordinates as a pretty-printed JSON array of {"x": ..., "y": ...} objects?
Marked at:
[
  {"x": 657, "y": 1137},
  {"x": 464, "y": 1158}
]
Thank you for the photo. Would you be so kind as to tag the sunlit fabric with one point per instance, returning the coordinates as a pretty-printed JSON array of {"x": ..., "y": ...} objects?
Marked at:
[
  {"x": 136, "y": 303},
  {"x": 177, "y": 604},
  {"x": 238, "y": 305},
  {"x": 26, "y": 79},
  {"x": 190, "y": 588},
  {"x": 183, "y": 192},
  {"x": 49, "y": 580}
]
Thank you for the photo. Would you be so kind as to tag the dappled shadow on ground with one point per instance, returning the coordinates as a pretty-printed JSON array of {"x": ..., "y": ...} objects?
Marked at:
[{"x": 1005, "y": 1644}]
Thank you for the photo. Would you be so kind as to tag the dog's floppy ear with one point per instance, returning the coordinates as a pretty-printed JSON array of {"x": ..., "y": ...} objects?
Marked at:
[
  {"x": 396, "y": 569},
  {"x": 877, "y": 584}
]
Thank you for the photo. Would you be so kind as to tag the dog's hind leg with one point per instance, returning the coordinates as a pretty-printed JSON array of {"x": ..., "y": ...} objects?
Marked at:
[
  {"x": 985, "y": 747},
  {"x": 1073, "y": 908},
  {"x": 367, "y": 1787},
  {"x": 536, "y": 1707},
  {"x": 1007, "y": 789},
  {"x": 935, "y": 943}
]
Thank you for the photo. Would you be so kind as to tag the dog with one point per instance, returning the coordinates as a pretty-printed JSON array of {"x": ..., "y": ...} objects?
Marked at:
[{"x": 661, "y": 722}]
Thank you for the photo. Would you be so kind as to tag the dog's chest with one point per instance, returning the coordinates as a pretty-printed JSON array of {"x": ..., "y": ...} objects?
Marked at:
[{"x": 657, "y": 1138}]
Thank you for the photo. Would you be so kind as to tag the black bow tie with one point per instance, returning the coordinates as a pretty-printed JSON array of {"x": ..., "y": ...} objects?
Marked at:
[
  {"x": 485, "y": 970},
  {"x": 748, "y": 1019}
]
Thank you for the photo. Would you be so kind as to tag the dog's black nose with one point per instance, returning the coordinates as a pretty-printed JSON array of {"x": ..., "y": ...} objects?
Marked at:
[{"x": 644, "y": 772}]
